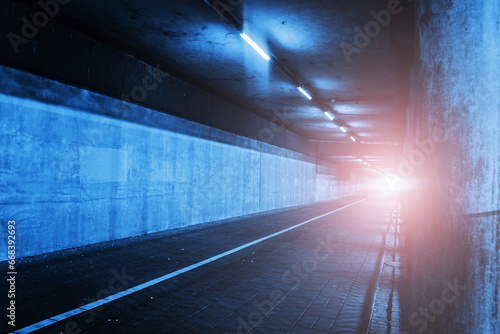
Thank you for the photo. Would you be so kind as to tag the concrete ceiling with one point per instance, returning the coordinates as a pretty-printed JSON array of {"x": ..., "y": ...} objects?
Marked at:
[{"x": 196, "y": 44}]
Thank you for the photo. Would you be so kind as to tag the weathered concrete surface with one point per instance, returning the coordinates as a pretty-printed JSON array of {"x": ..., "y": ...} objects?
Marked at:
[
  {"x": 453, "y": 151},
  {"x": 71, "y": 175}
]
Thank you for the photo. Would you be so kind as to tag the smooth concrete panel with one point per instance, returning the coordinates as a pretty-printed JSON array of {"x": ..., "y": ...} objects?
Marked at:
[{"x": 72, "y": 177}]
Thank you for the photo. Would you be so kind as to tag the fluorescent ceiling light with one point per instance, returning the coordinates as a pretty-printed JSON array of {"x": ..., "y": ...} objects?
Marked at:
[
  {"x": 330, "y": 116},
  {"x": 353, "y": 139},
  {"x": 343, "y": 129},
  {"x": 360, "y": 160},
  {"x": 255, "y": 46},
  {"x": 306, "y": 94}
]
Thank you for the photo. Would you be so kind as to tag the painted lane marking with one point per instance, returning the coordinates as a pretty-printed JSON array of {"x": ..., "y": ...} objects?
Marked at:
[{"x": 85, "y": 308}]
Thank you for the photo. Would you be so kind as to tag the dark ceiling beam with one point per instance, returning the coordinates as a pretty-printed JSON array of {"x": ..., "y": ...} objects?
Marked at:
[
  {"x": 383, "y": 164},
  {"x": 358, "y": 150},
  {"x": 366, "y": 98}
]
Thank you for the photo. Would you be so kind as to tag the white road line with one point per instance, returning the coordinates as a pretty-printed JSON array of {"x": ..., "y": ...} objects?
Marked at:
[{"x": 71, "y": 313}]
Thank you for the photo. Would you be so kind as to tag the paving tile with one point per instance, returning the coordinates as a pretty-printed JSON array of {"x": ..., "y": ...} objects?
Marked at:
[{"x": 333, "y": 293}]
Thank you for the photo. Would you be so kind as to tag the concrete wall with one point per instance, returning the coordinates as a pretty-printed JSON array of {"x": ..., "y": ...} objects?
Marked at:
[
  {"x": 72, "y": 175},
  {"x": 453, "y": 155}
]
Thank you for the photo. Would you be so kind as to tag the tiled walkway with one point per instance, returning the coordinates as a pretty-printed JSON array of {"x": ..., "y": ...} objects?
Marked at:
[{"x": 318, "y": 278}]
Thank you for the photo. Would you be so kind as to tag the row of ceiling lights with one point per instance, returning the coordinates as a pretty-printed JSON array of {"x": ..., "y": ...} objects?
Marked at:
[
  {"x": 328, "y": 114},
  {"x": 231, "y": 19},
  {"x": 264, "y": 55},
  {"x": 364, "y": 162}
]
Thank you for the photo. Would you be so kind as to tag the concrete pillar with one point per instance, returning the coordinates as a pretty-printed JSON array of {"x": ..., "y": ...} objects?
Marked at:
[{"x": 452, "y": 150}]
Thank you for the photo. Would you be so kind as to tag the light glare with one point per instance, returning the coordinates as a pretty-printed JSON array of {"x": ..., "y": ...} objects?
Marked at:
[
  {"x": 393, "y": 184},
  {"x": 330, "y": 116},
  {"x": 343, "y": 129}
]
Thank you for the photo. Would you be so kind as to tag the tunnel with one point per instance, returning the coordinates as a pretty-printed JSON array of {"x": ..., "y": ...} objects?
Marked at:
[{"x": 250, "y": 166}]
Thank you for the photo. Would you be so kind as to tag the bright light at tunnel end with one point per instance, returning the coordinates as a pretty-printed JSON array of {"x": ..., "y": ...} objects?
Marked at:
[
  {"x": 255, "y": 46},
  {"x": 306, "y": 94},
  {"x": 393, "y": 184}
]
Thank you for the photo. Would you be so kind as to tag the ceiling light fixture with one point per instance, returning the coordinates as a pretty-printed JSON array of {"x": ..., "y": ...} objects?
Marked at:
[
  {"x": 330, "y": 116},
  {"x": 353, "y": 139},
  {"x": 255, "y": 46},
  {"x": 343, "y": 129},
  {"x": 306, "y": 94}
]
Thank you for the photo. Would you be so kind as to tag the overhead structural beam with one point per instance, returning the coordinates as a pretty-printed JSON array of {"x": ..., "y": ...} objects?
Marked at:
[
  {"x": 365, "y": 98},
  {"x": 360, "y": 150}
]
